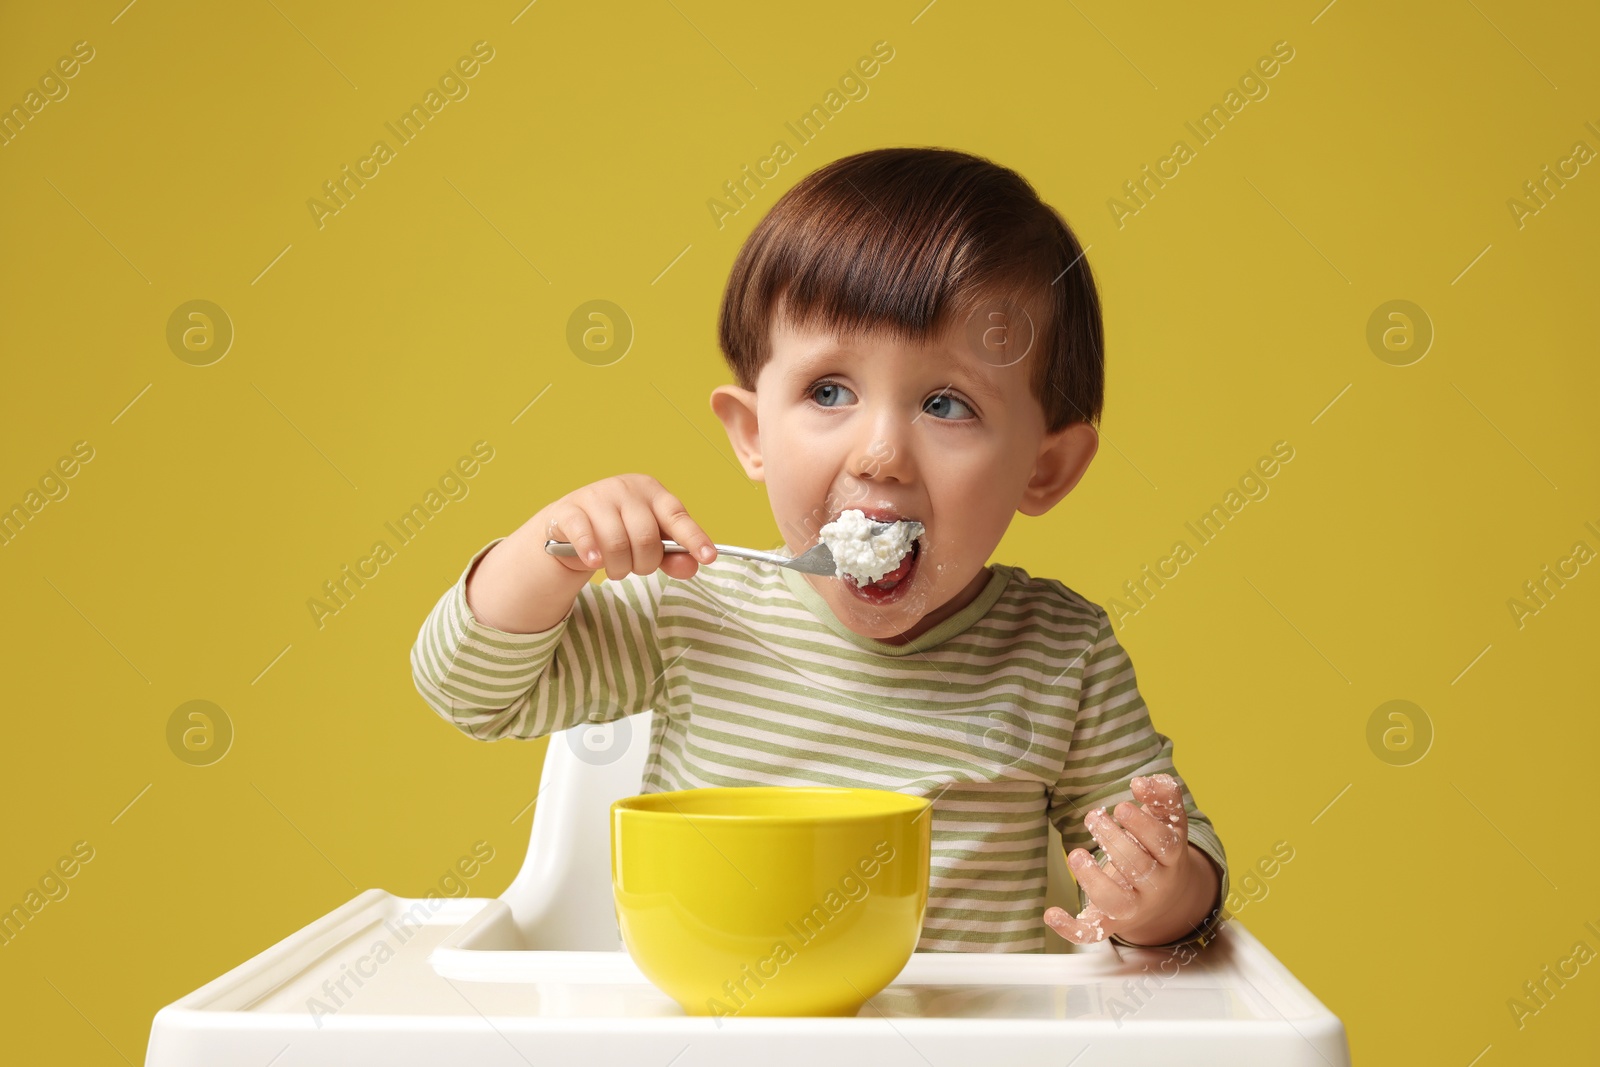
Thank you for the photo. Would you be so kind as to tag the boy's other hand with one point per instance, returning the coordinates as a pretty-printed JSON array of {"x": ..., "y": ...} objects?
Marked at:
[
  {"x": 620, "y": 522},
  {"x": 1149, "y": 870}
]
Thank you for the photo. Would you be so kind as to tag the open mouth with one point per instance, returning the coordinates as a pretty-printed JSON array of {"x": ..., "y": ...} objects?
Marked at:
[{"x": 892, "y": 585}]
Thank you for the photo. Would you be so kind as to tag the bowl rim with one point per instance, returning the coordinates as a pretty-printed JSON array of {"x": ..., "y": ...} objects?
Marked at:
[{"x": 635, "y": 806}]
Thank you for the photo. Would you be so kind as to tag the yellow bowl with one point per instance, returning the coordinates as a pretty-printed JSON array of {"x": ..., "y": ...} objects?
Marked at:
[{"x": 771, "y": 900}]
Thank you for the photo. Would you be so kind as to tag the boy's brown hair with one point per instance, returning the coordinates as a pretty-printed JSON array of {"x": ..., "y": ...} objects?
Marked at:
[{"x": 908, "y": 241}]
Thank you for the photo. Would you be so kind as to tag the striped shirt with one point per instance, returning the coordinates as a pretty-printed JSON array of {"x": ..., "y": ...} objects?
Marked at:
[{"x": 1020, "y": 707}]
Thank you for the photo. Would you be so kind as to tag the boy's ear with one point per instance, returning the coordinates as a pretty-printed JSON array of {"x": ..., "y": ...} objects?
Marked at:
[
  {"x": 1063, "y": 458},
  {"x": 736, "y": 408}
]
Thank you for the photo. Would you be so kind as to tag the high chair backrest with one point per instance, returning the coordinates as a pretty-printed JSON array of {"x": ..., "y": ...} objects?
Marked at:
[{"x": 561, "y": 897}]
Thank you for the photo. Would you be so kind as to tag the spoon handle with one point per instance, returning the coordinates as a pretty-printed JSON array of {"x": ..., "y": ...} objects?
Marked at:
[{"x": 567, "y": 548}]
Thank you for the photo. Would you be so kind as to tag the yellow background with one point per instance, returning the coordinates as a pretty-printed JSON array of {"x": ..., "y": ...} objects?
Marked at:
[{"x": 371, "y": 353}]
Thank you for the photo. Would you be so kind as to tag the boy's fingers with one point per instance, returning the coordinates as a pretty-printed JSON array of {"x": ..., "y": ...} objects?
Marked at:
[
  {"x": 1162, "y": 795},
  {"x": 574, "y": 527},
  {"x": 1130, "y": 856},
  {"x": 1083, "y": 929},
  {"x": 611, "y": 534},
  {"x": 1162, "y": 840},
  {"x": 675, "y": 520},
  {"x": 1111, "y": 897},
  {"x": 644, "y": 536},
  {"x": 1162, "y": 799},
  {"x": 679, "y": 565}
]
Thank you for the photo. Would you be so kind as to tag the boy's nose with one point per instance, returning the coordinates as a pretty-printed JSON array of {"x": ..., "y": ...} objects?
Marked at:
[
  {"x": 882, "y": 449},
  {"x": 881, "y": 459}
]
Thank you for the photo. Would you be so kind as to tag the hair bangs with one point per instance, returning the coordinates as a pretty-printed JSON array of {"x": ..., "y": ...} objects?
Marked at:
[{"x": 909, "y": 242}]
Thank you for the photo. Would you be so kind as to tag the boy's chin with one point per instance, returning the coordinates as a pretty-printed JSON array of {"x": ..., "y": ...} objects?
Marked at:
[{"x": 888, "y": 621}]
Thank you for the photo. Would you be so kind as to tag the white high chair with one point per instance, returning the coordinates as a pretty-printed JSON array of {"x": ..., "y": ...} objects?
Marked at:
[{"x": 539, "y": 975}]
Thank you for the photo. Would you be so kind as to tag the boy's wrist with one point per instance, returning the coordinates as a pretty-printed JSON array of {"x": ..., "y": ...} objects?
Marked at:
[
  {"x": 1188, "y": 915},
  {"x": 518, "y": 587}
]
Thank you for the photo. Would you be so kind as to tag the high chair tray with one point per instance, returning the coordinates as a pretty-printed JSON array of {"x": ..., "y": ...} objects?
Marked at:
[{"x": 403, "y": 981}]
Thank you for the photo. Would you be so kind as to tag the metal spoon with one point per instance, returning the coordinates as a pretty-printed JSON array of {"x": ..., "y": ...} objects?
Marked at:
[{"x": 815, "y": 560}]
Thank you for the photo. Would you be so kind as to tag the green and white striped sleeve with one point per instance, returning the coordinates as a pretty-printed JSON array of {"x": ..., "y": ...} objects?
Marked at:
[
  {"x": 1113, "y": 742},
  {"x": 601, "y": 662}
]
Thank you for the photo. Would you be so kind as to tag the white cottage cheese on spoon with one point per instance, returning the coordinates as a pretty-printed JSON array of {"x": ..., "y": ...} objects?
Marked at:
[{"x": 860, "y": 555}]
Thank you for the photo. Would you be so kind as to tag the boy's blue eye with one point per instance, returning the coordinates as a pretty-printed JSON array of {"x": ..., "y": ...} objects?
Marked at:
[
  {"x": 821, "y": 387},
  {"x": 828, "y": 394},
  {"x": 947, "y": 399}
]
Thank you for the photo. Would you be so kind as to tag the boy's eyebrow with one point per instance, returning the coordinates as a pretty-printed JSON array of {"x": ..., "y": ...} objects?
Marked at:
[
  {"x": 804, "y": 365},
  {"x": 981, "y": 386}
]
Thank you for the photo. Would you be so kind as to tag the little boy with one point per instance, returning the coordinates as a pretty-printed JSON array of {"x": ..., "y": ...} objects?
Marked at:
[{"x": 916, "y": 335}]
